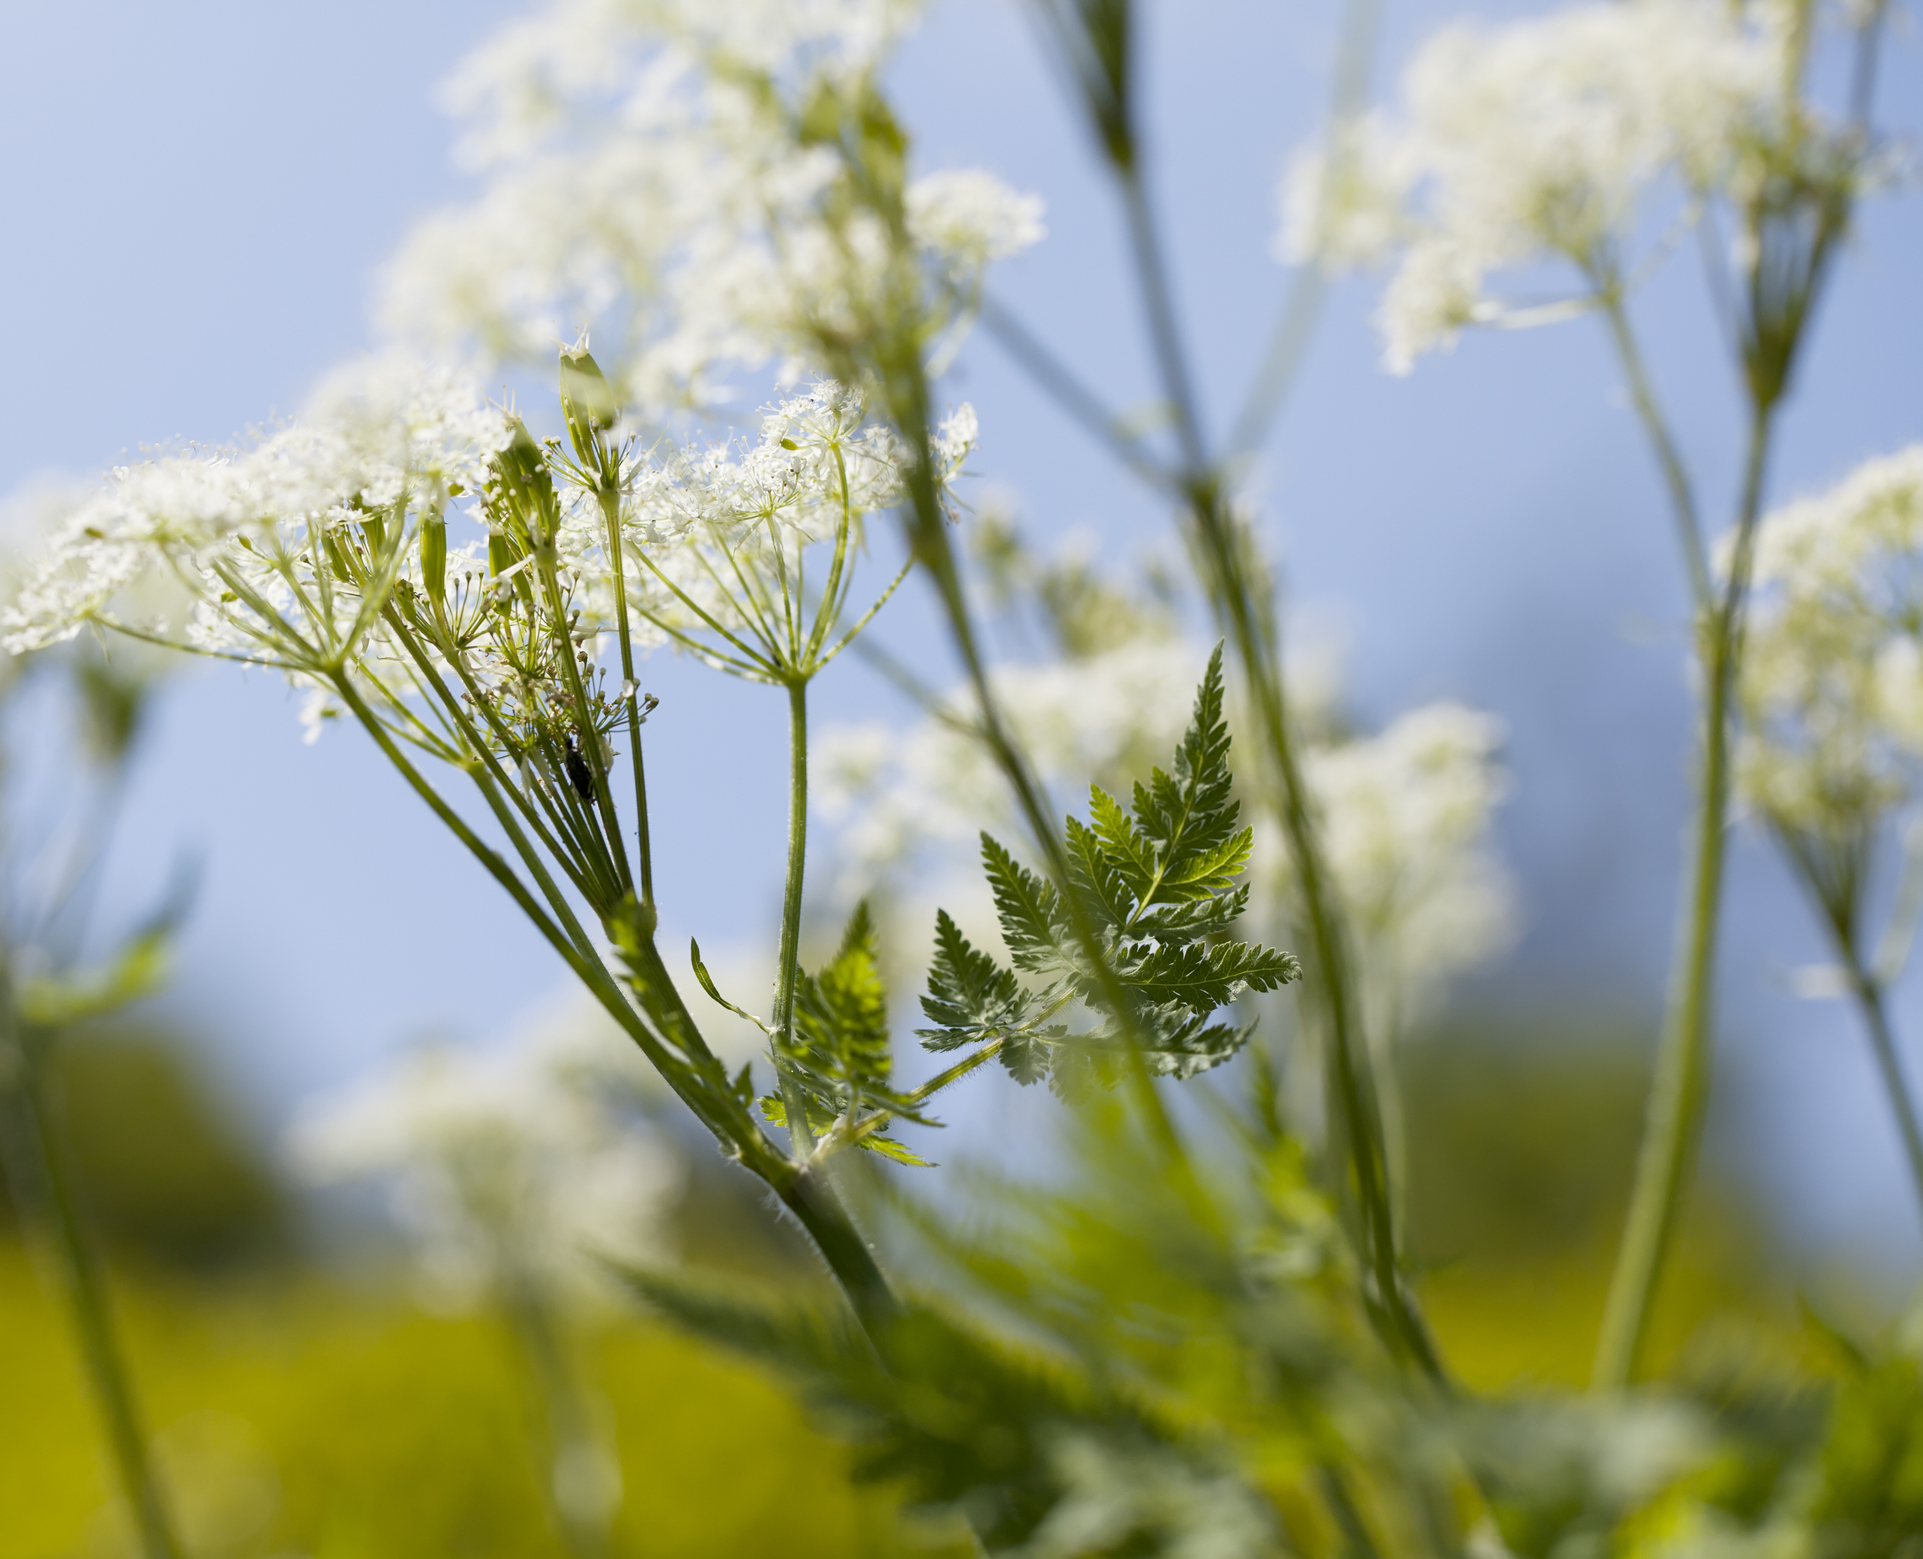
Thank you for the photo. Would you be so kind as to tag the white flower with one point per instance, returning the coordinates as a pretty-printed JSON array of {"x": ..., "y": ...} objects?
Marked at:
[
  {"x": 518, "y": 1161},
  {"x": 1832, "y": 677},
  {"x": 1405, "y": 818},
  {"x": 968, "y": 218},
  {"x": 1342, "y": 207},
  {"x": 1543, "y": 139},
  {"x": 902, "y": 794},
  {"x": 235, "y": 528},
  {"x": 716, "y": 537},
  {"x": 650, "y": 169}
]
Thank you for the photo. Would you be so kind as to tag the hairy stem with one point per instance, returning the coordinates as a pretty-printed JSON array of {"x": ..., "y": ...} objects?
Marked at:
[
  {"x": 811, "y": 1197},
  {"x": 86, "y": 1289},
  {"x": 1673, "y": 1123}
]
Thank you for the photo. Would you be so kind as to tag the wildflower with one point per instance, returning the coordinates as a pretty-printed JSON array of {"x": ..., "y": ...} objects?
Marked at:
[
  {"x": 1832, "y": 679},
  {"x": 672, "y": 173},
  {"x": 503, "y": 1165},
  {"x": 1405, "y": 820},
  {"x": 716, "y": 537},
  {"x": 1545, "y": 139}
]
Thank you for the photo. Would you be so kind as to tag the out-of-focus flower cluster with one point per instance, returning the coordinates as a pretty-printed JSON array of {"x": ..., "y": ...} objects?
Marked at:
[
  {"x": 668, "y": 171},
  {"x": 1832, "y": 678},
  {"x": 1405, "y": 817},
  {"x": 1556, "y": 138},
  {"x": 527, "y": 1161}
]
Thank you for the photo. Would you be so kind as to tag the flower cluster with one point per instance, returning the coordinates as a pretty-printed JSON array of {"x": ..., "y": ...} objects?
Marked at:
[
  {"x": 1832, "y": 676},
  {"x": 524, "y": 1162},
  {"x": 240, "y": 528},
  {"x": 673, "y": 172},
  {"x": 1405, "y": 818},
  {"x": 1543, "y": 139},
  {"x": 716, "y": 538}
]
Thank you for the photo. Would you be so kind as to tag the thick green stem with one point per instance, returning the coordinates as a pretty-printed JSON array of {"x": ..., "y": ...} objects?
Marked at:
[
  {"x": 808, "y": 1194},
  {"x": 1673, "y": 1122},
  {"x": 87, "y": 1296},
  {"x": 788, "y": 974}
]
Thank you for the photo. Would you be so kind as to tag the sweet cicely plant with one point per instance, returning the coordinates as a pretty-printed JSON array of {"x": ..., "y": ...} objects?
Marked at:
[{"x": 325, "y": 552}]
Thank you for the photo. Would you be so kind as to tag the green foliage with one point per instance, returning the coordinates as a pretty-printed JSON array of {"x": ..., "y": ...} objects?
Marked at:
[
  {"x": 1140, "y": 935},
  {"x": 164, "y": 1172},
  {"x": 138, "y": 969},
  {"x": 839, "y": 1054},
  {"x": 967, "y": 1425},
  {"x": 295, "y": 1417}
]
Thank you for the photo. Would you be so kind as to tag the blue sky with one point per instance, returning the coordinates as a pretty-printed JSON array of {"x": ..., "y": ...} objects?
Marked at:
[{"x": 200, "y": 194}]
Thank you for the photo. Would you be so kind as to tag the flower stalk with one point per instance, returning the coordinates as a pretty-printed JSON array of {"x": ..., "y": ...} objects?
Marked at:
[
  {"x": 29, "y": 1047},
  {"x": 1679, "y": 1089}
]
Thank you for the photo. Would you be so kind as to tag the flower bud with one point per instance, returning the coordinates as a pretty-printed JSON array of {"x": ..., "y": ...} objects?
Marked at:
[{"x": 587, "y": 402}]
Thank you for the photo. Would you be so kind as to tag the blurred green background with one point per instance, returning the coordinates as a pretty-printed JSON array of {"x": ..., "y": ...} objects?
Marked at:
[{"x": 304, "y": 1401}]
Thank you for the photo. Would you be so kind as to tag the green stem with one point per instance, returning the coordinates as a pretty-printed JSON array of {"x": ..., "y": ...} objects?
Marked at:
[
  {"x": 1352, "y": 1094},
  {"x": 610, "y": 498},
  {"x": 1673, "y": 1123},
  {"x": 1876, "y": 1019},
  {"x": 1642, "y": 395},
  {"x": 1227, "y": 567},
  {"x": 788, "y": 975},
  {"x": 808, "y": 1194},
  {"x": 87, "y": 1295}
]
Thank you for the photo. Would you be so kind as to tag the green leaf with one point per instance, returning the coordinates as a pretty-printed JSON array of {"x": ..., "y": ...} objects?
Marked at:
[
  {"x": 1097, "y": 879},
  {"x": 1131, "y": 852},
  {"x": 971, "y": 998},
  {"x": 707, "y": 984},
  {"x": 847, "y": 1006},
  {"x": 774, "y": 1110},
  {"x": 1203, "y": 978},
  {"x": 1029, "y": 909},
  {"x": 789, "y": 1335},
  {"x": 887, "y": 1147},
  {"x": 1190, "y": 815},
  {"x": 1156, "y": 894},
  {"x": 1027, "y": 1057},
  {"x": 138, "y": 969}
]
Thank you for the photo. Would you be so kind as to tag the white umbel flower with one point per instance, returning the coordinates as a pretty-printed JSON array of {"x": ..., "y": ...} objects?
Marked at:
[
  {"x": 1543, "y": 139},
  {"x": 1405, "y": 818},
  {"x": 501, "y": 1164},
  {"x": 1832, "y": 679},
  {"x": 656, "y": 170}
]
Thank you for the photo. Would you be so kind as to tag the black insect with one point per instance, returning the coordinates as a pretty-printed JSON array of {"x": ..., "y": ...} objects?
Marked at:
[{"x": 580, "y": 776}]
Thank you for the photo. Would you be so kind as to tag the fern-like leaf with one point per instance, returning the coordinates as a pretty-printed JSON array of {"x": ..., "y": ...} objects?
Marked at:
[
  {"x": 1153, "y": 894},
  {"x": 971, "y": 999},
  {"x": 1029, "y": 908},
  {"x": 1203, "y": 978}
]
